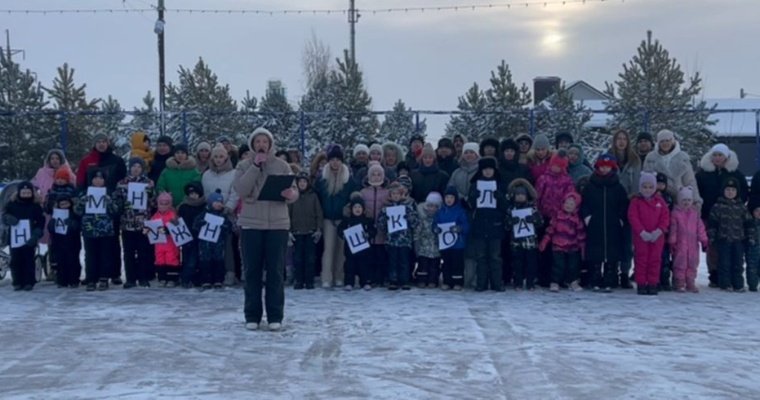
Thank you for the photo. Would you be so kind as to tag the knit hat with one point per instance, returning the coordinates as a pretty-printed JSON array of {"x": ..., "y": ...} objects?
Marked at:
[
  {"x": 136, "y": 160},
  {"x": 98, "y": 173},
  {"x": 644, "y": 136},
  {"x": 428, "y": 150},
  {"x": 406, "y": 182},
  {"x": 488, "y": 142},
  {"x": 166, "y": 140},
  {"x": 686, "y": 192},
  {"x": 181, "y": 147},
  {"x": 219, "y": 149},
  {"x": 361, "y": 148},
  {"x": 165, "y": 198},
  {"x": 62, "y": 173},
  {"x": 563, "y": 137},
  {"x": 721, "y": 149},
  {"x": 434, "y": 198},
  {"x": 647, "y": 177},
  {"x": 194, "y": 187},
  {"x": 375, "y": 167},
  {"x": 541, "y": 142},
  {"x": 731, "y": 182},
  {"x": 202, "y": 146},
  {"x": 376, "y": 148},
  {"x": 356, "y": 198},
  {"x": 559, "y": 160},
  {"x": 606, "y": 160},
  {"x": 470, "y": 146},
  {"x": 662, "y": 178},
  {"x": 98, "y": 137},
  {"x": 486, "y": 162},
  {"x": 446, "y": 143},
  {"x": 335, "y": 152},
  {"x": 451, "y": 191},
  {"x": 509, "y": 144},
  {"x": 215, "y": 197},
  {"x": 665, "y": 135}
]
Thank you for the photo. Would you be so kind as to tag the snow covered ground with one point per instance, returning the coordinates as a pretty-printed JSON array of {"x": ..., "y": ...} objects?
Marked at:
[{"x": 422, "y": 344}]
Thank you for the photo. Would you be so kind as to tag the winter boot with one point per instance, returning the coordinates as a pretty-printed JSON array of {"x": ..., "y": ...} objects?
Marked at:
[
  {"x": 91, "y": 286},
  {"x": 642, "y": 289},
  {"x": 554, "y": 288},
  {"x": 652, "y": 290},
  {"x": 116, "y": 281},
  {"x": 103, "y": 285},
  {"x": 625, "y": 281},
  {"x": 129, "y": 285},
  {"x": 575, "y": 286}
]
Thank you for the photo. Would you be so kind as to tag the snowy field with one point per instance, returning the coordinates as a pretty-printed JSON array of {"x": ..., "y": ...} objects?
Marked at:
[{"x": 422, "y": 344}]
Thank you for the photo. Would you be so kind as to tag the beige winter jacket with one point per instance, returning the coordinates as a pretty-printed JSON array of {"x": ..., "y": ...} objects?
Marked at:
[{"x": 249, "y": 180}]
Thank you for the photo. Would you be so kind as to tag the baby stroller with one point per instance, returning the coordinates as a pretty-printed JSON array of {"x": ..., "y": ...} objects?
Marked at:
[{"x": 42, "y": 267}]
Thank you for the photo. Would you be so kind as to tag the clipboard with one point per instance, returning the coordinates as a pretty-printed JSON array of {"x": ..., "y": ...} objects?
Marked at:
[{"x": 274, "y": 185}]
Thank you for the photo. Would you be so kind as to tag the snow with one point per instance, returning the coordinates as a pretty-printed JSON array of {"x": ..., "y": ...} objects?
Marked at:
[{"x": 421, "y": 344}]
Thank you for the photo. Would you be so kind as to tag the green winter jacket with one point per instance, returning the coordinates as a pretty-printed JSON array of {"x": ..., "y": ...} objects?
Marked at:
[{"x": 175, "y": 176}]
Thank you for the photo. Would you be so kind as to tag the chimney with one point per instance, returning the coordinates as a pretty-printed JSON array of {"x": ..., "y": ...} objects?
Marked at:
[{"x": 544, "y": 86}]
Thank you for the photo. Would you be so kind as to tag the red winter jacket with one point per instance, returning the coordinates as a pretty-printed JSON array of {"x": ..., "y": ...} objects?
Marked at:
[
  {"x": 566, "y": 233},
  {"x": 648, "y": 215},
  {"x": 92, "y": 159},
  {"x": 552, "y": 188},
  {"x": 167, "y": 254}
]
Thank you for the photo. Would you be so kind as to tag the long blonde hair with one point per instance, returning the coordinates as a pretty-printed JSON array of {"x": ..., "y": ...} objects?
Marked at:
[{"x": 629, "y": 155}]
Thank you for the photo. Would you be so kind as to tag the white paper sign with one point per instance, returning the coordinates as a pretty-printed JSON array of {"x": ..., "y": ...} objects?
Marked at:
[
  {"x": 59, "y": 221},
  {"x": 156, "y": 234},
  {"x": 396, "y": 218},
  {"x": 96, "y": 200},
  {"x": 447, "y": 238},
  {"x": 137, "y": 195},
  {"x": 20, "y": 233},
  {"x": 180, "y": 233},
  {"x": 212, "y": 229},
  {"x": 523, "y": 228},
  {"x": 355, "y": 238},
  {"x": 487, "y": 198}
]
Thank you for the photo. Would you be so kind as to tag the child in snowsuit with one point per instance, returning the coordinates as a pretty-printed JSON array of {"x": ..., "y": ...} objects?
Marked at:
[
  {"x": 567, "y": 236},
  {"x": 375, "y": 195},
  {"x": 65, "y": 247},
  {"x": 453, "y": 213},
  {"x": 167, "y": 254},
  {"x": 137, "y": 251},
  {"x": 649, "y": 218},
  {"x": 426, "y": 242},
  {"x": 398, "y": 243},
  {"x": 487, "y": 226},
  {"x": 687, "y": 232},
  {"x": 604, "y": 211},
  {"x": 62, "y": 187},
  {"x": 358, "y": 263},
  {"x": 98, "y": 233},
  {"x": 728, "y": 226},
  {"x": 193, "y": 205},
  {"x": 524, "y": 246},
  {"x": 305, "y": 222},
  {"x": 667, "y": 261},
  {"x": 211, "y": 253},
  {"x": 753, "y": 252},
  {"x": 24, "y": 206}
]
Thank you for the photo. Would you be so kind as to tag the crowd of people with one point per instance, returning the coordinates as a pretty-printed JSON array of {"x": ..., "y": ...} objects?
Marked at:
[{"x": 521, "y": 212}]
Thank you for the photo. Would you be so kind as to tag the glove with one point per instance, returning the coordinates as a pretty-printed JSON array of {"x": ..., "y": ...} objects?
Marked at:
[
  {"x": 656, "y": 234},
  {"x": 9, "y": 220},
  {"x": 587, "y": 220},
  {"x": 437, "y": 230},
  {"x": 36, "y": 235},
  {"x": 456, "y": 229},
  {"x": 645, "y": 236},
  {"x": 316, "y": 236}
]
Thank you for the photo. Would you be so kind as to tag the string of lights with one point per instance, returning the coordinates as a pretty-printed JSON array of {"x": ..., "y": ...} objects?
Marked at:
[{"x": 395, "y": 10}]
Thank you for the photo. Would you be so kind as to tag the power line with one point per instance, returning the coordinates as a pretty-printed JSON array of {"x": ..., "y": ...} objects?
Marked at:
[{"x": 324, "y": 11}]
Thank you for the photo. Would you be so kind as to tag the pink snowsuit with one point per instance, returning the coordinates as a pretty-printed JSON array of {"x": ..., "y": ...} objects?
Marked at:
[
  {"x": 687, "y": 231},
  {"x": 552, "y": 188},
  {"x": 648, "y": 215},
  {"x": 167, "y": 254}
]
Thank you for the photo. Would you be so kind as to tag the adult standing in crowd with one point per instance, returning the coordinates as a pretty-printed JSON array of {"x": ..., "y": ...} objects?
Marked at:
[
  {"x": 524, "y": 144},
  {"x": 220, "y": 176},
  {"x": 393, "y": 155},
  {"x": 563, "y": 140},
  {"x": 539, "y": 156},
  {"x": 644, "y": 145},
  {"x": 489, "y": 147},
  {"x": 459, "y": 140},
  {"x": 180, "y": 170},
  {"x": 203, "y": 157},
  {"x": 164, "y": 150},
  {"x": 334, "y": 190},
  {"x": 446, "y": 156},
  {"x": 715, "y": 167},
  {"x": 577, "y": 167},
  {"x": 428, "y": 177},
  {"x": 415, "y": 152},
  {"x": 45, "y": 176},
  {"x": 264, "y": 231},
  {"x": 674, "y": 163},
  {"x": 232, "y": 150},
  {"x": 359, "y": 159},
  {"x": 629, "y": 171}
]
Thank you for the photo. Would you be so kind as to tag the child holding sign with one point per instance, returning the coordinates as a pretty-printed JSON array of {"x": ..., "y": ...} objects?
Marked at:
[
  {"x": 357, "y": 229},
  {"x": 97, "y": 212},
  {"x": 452, "y": 226},
  {"x": 212, "y": 228},
  {"x": 524, "y": 221},
  {"x": 398, "y": 218},
  {"x": 134, "y": 197},
  {"x": 426, "y": 242},
  {"x": 167, "y": 253},
  {"x": 64, "y": 228},
  {"x": 567, "y": 236},
  {"x": 24, "y": 217},
  {"x": 191, "y": 207}
]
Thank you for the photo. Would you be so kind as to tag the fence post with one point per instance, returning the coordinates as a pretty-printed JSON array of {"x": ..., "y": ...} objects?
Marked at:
[
  {"x": 302, "y": 129},
  {"x": 417, "y": 122},
  {"x": 64, "y": 121},
  {"x": 532, "y": 122},
  {"x": 757, "y": 138},
  {"x": 184, "y": 127}
]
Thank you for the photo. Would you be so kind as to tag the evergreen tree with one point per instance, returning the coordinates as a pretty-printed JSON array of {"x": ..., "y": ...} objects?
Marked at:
[
  {"x": 24, "y": 139},
  {"x": 653, "y": 94},
  {"x": 506, "y": 104},
  {"x": 472, "y": 123},
  {"x": 69, "y": 97},
  {"x": 399, "y": 125},
  {"x": 111, "y": 123},
  {"x": 209, "y": 109},
  {"x": 318, "y": 99},
  {"x": 146, "y": 117},
  {"x": 277, "y": 115}
]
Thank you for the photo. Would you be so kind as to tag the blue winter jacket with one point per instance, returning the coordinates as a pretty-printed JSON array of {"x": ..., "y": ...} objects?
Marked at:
[{"x": 458, "y": 215}]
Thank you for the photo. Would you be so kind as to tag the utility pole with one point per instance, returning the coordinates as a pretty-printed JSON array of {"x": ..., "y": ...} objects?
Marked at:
[
  {"x": 353, "y": 18},
  {"x": 159, "y": 29}
]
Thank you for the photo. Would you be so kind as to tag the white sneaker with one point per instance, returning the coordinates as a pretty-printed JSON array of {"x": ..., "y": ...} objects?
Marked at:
[
  {"x": 367, "y": 287},
  {"x": 347, "y": 288},
  {"x": 554, "y": 287},
  {"x": 338, "y": 283},
  {"x": 252, "y": 326},
  {"x": 575, "y": 286},
  {"x": 275, "y": 326},
  {"x": 326, "y": 285}
]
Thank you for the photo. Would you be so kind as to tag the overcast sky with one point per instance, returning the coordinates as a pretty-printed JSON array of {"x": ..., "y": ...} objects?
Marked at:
[{"x": 427, "y": 59}]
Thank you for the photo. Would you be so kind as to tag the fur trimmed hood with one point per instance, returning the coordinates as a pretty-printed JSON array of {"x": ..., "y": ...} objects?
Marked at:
[
  {"x": 521, "y": 182},
  {"x": 262, "y": 131},
  {"x": 335, "y": 182},
  {"x": 732, "y": 163},
  {"x": 400, "y": 156},
  {"x": 190, "y": 163}
]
